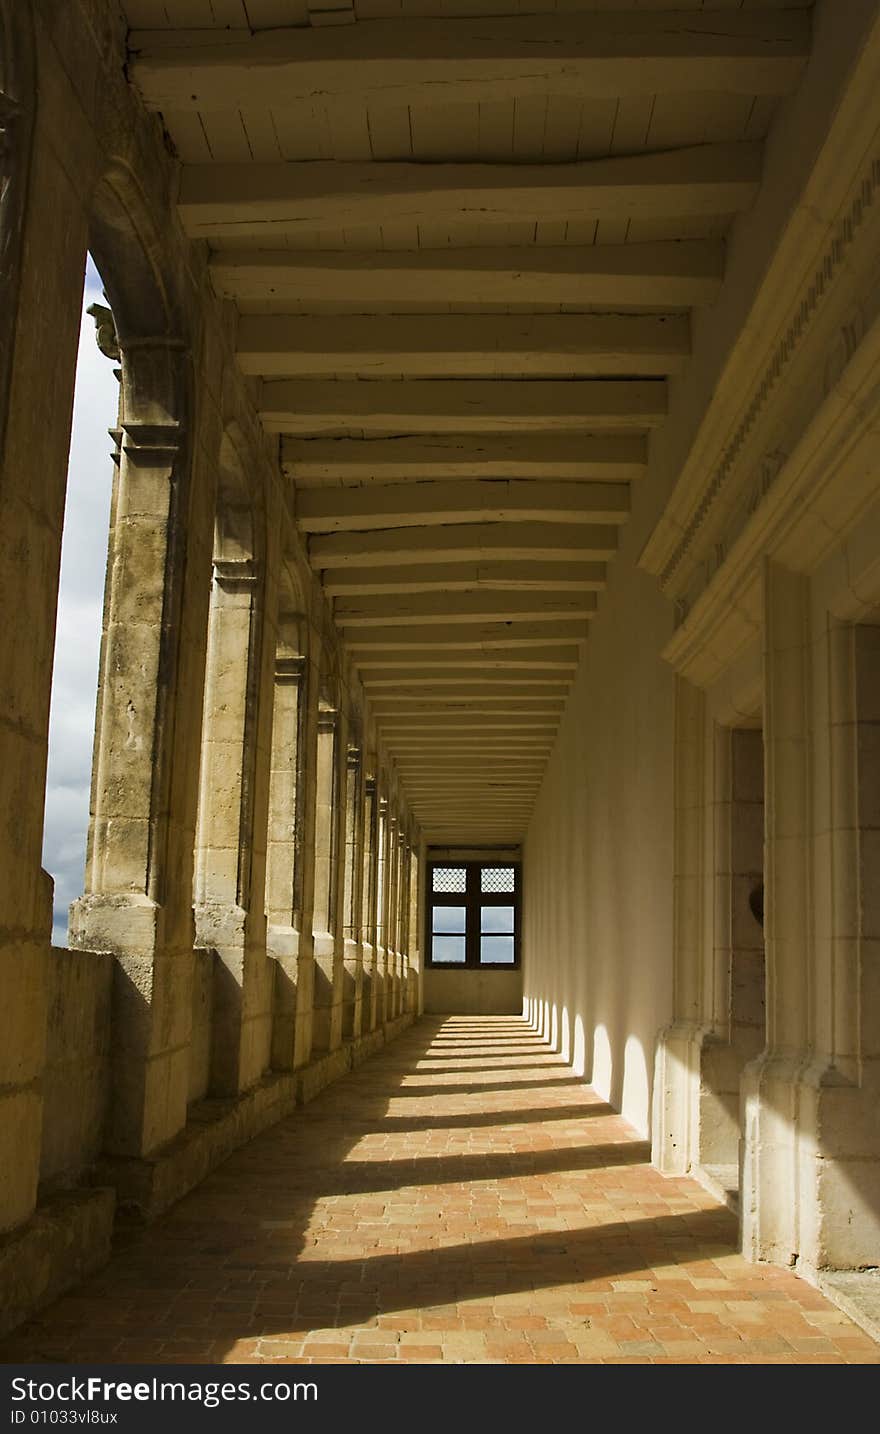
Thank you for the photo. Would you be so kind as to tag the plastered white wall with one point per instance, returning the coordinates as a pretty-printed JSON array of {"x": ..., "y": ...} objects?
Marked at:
[{"x": 597, "y": 901}]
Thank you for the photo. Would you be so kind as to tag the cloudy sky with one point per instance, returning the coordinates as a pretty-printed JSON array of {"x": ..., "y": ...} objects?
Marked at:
[{"x": 83, "y": 560}]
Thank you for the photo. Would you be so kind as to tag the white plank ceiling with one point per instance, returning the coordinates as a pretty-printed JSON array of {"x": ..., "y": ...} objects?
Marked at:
[{"x": 465, "y": 238}]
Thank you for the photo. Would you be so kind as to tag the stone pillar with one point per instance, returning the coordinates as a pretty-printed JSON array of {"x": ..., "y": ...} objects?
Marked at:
[
  {"x": 305, "y": 959},
  {"x": 42, "y": 262},
  {"x": 284, "y": 856},
  {"x": 392, "y": 935},
  {"x": 778, "y": 1088},
  {"x": 230, "y": 918},
  {"x": 734, "y": 1000},
  {"x": 137, "y": 902},
  {"x": 677, "y": 1074},
  {"x": 368, "y": 921},
  {"x": 840, "y": 1226},
  {"x": 327, "y": 884},
  {"x": 381, "y": 956},
  {"x": 352, "y": 988}
]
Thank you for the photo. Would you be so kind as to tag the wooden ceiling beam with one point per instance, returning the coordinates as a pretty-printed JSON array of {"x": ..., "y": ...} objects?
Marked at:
[
  {"x": 673, "y": 274},
  {"x": 619, "y": 457},
  {"x": 522, "y": 541},
  {"x": 443, "y": 678},
  {"x": 548, "y": 660},
  {"x": 274, "y": 200},
  {"x": 416, "y": 506},
  {"x": 462, "y": 345},
  {"x": 298, "y": 405},
  {"x": 461, "y": 609},
  {"x": 455, "y": 577},
  {"x": 434, "y": 637},
  {"x": 466, "y": 59}
]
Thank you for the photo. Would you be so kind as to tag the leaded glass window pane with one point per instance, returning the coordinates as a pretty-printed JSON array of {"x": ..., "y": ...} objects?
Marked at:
[
  {"x": 450, "y": 878},
  {"x": 497, "y": 878}
]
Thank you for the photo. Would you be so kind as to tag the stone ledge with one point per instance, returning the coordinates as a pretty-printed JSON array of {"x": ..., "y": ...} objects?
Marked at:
[
  {"x": 856, "y": 1293},
  {"x": 721, "y": 1181},
  {"x": 146, "y": 1187},
  {"x": 66, "y": 1238},
  {"x": 329, "y": 1065}
]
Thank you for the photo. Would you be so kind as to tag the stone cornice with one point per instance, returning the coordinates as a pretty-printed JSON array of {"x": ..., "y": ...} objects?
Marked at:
[
  {"x": 829, "y": 224},
  {"x": 821, "y": 492}
]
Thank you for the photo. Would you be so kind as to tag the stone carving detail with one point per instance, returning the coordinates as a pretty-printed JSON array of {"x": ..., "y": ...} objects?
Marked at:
[
  {"x": 824, "y": 276},
  {"x": 105, "y": 330},
  {"x": 849, "y": 337}
]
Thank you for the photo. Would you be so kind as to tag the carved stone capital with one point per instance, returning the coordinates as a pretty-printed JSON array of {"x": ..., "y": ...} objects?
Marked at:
[
  {"x": 289, "y": 670},
  {"x": 236, "y": 574},
  {"x": 151, "y": 444}
]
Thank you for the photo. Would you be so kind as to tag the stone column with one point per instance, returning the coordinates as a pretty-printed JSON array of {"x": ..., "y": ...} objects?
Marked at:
[
  {"x": 778, "y": 1089},
  {"x": 368, "y": 922},
  {"x": 42, "y": 261},
  {"x": 393, "y": 925},
  {"x": 840, "y": 1221},
  {"x": 228, "y": 902},
  {"x": 284, "y": 856},
  {"x": 353, "y": 896},
  {"x": 137, "y": 902},
  {"x": 327, "y": 856},
  {"x": 305, "y": 959},
  {"x": 677, "y": 1074},
  {"x": 381, "y": 956}
]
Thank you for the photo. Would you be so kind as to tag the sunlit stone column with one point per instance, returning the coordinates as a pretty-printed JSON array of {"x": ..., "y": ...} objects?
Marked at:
[
  {"x": 381, "y": 956},
  {"x": 677, "y": 1075},
  {"x": 839, "y": 1169},
  {"x": 369, "y": 991},
  {"x": 778, "y": 1088},
  {"x": 284, "y": 855},
  {"x": 352, "y": 990},
  {"x": 138, "y": 889},
  {"x": 230, "y": 919},
  {"x": 327, "y": 1016},
  {"x": 305, "y": 961}
]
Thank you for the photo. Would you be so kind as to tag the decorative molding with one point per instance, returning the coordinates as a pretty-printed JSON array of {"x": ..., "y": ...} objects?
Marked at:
[
  {"x": 235, "y": 574},
  {"x": 824, "y": 275},
  {"x": 288, "y": 670}
]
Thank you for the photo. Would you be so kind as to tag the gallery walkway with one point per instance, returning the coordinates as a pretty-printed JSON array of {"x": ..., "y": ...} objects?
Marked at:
[{"x": 461, "y": 1198}]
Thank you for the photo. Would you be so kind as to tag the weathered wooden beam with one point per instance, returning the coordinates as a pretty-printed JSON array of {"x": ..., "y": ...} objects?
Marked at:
[
  {"x": 418, "y": 722},
  {"x": 269, "y": 201},
  {"x": 411, "y": 666},
  {"x": 462, "y": 345},
  {"x": 469, "y": 742},
  {"x": 528, "y": 704},
  {"x": 465, "y": 59},
  {"x": 521, "y": 541},
  {"x": 433, "y": 636},
  {"x": 422, "y": 608},
  {"x": 477, "y": 762},
  {"x": 615, "y": 456},
  {"x": 296, "y": 405},
  {"x": 441, "y": 679},
  {"x": 492, "y": 500},
  {"x": 675, "y": 274},
  {"x": 455, "y": 577}
]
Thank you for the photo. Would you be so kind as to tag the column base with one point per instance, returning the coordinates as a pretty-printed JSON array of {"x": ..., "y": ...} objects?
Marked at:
[
  {"x": 676, "y": 1117},
  {"x": 810, "y": 1166}
]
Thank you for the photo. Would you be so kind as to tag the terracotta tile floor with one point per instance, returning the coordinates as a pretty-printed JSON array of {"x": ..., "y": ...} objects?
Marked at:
[{"x": 462, "y": 1198}]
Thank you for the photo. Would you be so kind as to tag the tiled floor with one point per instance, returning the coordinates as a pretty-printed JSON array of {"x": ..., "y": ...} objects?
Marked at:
[{"x": 462, "y": 1198}]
